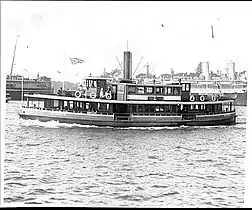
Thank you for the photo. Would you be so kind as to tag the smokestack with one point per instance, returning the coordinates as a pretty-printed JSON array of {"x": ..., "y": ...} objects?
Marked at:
[
  {"x": 127, "y": 66},
  {"x": 148, "y": 71}
]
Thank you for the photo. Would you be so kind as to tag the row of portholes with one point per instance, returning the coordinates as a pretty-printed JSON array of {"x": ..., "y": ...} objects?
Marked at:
[
  {"x": 203, "y": 98},
  {"x": 93, "y": 95}
]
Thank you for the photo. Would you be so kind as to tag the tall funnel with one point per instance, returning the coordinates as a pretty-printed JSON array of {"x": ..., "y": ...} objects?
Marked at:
[{"x": 127, "y": 66}]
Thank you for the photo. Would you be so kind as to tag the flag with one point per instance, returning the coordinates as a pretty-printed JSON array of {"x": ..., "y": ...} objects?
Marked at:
[{"x": 76, "y": 60}]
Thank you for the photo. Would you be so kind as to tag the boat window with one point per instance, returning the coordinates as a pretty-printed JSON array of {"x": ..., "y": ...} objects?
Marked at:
[
  {"x": 84, "y": 83},
  {"x": 149, "y": 89},
  {"x": 134, "y": 108},
  {"x": 87, "y": 106},
  {"x": 113, "y": 89},
  {"x": 140, "y": 90},
  {"x": 176, "y": 91},
  {"x": 131, "y": 89},
  {"x": 107, "y": 106},
  {"x": 140, "y": 108},
  {"x": 159, "y": 90},
  {"x": 152, "y": 108},
  {"x": 71, "y": 104},
  {"x": 93, "y": 84},
  {"x": 183, "y": 87},
  {"x": 168, "y": 108},
  {"x": 169, "y": 90},
  {"x": 196, "y": 107},
  {"x": 174, "y": 108},
  {"x": 161, "y": 108},
  {"x": 147, "y": 108},
  {"x": 187, "y": 87},
  {"x": 56, "y": 103},
  {"x": 165, "y": 91}
]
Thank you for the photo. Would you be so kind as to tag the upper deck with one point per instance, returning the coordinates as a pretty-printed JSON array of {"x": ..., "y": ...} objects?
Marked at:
[{"x": 103, "y": 88}]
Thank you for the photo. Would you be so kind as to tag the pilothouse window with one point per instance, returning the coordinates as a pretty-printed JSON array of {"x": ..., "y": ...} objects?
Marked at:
[
  {"x": 187, "y": 87},
  {"x": 71, "y": 104},
  {"x": 94, "y": 84},
  {"x": 159, "y": 90},
  {"x": 140, "y": 90},
  {"x": 169, "y": 90},
  {"x": 176, "y": 91},
  {"x": 149, "y": 90},
  {"x": 131, "y": 89},
  {"x": 183, "y": 87}
]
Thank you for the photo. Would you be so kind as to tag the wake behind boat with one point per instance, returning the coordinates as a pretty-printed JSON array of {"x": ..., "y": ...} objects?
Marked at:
[{"x": 128, "y": 104}]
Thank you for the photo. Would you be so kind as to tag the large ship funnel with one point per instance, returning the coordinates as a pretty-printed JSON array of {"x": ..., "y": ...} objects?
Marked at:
[{"x": 127, "y": 66}]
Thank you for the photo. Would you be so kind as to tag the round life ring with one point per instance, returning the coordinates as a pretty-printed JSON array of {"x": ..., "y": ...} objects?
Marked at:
[
  {"x": 214, "y": 98},
  {"x": 108, "y": 96},
  {"x": 192, "y": 98},
  {"x": 93, "y": 95},
  {"x": 77, "y": 94},
  {"x": 202, "y": 98}
]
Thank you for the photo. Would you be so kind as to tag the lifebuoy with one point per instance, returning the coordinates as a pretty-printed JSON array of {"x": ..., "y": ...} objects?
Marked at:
[
  {"x": 202, "y": 98},
  {"x": 192, "y": 98},
  {"x": 77, "y": 94},
  {"x": 108, "y": 96},
  {"x": 93, "y": 95},
  {"x": 214, "y": 98}
]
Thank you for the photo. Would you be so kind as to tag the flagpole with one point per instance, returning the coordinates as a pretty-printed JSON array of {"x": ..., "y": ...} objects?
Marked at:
[
  {"x": 64, "y": 69},
  {"x": 22, "y": 89}
]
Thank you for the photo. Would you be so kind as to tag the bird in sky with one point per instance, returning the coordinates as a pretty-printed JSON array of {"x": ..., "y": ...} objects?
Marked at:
[{"x": 162, "y": 25}]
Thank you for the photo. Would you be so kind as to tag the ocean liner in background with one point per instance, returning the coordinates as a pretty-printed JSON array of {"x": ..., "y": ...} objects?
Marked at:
[{"x": 16, "y": 85}]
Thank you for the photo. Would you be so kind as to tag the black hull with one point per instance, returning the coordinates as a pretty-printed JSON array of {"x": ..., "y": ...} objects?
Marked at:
[{"x": 120, "y": 123}]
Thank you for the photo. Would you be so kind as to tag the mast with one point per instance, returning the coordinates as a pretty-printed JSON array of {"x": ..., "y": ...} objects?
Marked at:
[{"x": 13, "y": 59}]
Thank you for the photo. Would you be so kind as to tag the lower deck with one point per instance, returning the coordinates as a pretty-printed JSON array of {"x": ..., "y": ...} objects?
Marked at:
[
  {"x": 128, "y": 120},
  {"x": 129, "y": 114}
]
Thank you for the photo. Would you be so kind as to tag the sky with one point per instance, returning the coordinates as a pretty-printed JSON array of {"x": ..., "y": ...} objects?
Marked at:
[{"x": 166, "y": 34}]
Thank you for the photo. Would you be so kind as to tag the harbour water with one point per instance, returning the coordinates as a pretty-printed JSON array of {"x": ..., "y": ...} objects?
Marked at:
[{"x": 51, "y": 163}]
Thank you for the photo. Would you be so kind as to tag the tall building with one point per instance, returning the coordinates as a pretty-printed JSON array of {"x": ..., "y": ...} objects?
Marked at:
[
  {"x": 172, "y": 72},
  {"x": 205, "y": 70},
  {"x": 230, "y": 70}
]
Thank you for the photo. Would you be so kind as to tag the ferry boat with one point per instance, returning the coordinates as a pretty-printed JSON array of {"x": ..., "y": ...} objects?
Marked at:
[{"x": 127, "y": 104}]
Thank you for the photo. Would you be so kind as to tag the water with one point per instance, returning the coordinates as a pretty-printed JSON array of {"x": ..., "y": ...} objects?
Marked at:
[{"x": 51, "y": 163}]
